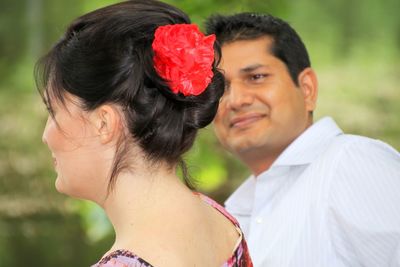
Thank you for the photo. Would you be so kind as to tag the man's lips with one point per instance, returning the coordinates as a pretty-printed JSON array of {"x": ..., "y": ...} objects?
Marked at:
[{"x": 243, "y": 121}]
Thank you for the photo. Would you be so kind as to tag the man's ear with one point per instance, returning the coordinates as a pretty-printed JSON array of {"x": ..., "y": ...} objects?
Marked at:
[
  {"x": 107, "y": 122},
  {"x": 308, "y": 84}
]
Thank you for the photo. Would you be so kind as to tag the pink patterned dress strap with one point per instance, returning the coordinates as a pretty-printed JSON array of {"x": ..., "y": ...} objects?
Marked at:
[
  {"x": 240, "y": 256},
  {"x": 218, "y": 207},
  {"x": 122, "y": 258}
]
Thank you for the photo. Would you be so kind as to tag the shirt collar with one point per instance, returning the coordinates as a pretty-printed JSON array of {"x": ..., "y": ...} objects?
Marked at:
[
  {"x": 240, "y": 202},
  {"x": 303, "y": 150},
  {"x": 310, "y": 144}
]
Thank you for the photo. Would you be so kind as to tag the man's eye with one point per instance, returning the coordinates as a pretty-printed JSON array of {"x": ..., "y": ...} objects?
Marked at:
[{"x": 257, "y": 77}]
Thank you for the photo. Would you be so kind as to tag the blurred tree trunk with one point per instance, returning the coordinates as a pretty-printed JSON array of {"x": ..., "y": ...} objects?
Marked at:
[{"x": 34, "y": 13}]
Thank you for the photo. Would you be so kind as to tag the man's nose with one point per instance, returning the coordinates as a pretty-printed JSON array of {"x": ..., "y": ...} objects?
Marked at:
[{"x": 238, "y": 95}]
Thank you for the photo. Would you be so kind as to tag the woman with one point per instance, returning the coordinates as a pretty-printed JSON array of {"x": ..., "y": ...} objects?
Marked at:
[{"x": 127, "y": 88}]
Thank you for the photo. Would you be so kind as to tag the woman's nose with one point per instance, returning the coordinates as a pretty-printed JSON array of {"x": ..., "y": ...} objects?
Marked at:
[{"x": 44, "y": 135}]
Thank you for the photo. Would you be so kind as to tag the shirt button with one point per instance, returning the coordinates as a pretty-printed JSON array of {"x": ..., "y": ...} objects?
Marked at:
[{"x": 259, "y": 220}]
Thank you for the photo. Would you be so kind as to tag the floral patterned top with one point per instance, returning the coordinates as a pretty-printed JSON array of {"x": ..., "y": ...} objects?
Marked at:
[{"x": 125, "y": 258}]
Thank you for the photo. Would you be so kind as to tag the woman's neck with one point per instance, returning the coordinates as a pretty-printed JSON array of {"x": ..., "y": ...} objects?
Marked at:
[{"x": 141, "y": 197}]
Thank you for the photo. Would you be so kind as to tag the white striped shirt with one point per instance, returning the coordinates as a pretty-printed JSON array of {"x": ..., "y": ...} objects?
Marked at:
[{"x": 329, "y": 200}]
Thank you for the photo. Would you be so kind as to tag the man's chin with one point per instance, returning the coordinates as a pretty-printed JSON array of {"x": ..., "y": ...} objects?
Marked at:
[{"x": 240, "y": 148}]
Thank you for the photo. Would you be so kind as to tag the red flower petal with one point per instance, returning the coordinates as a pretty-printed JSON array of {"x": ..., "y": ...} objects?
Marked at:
[{"x": 184, "y": 56}]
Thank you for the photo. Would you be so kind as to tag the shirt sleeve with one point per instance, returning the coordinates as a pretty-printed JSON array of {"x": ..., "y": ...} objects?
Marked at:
[{"x": 364, "y": 205}]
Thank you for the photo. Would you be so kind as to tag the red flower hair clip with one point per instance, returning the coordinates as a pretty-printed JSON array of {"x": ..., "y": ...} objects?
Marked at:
[{"x": 184, "y": 56}]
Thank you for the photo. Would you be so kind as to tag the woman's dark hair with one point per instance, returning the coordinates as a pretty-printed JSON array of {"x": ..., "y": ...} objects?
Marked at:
[
  {"x": 287, "y": 45},
  {"x": 106, "y": 57}
]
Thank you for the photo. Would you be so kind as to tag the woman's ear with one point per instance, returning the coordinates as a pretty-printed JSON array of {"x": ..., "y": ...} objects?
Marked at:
[
  {"x": 308, "y": 83},
  {"x": 107, "y": 122}
]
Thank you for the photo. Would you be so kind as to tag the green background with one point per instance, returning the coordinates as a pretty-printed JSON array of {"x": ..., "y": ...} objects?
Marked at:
[{"x": 354, "y": 47}]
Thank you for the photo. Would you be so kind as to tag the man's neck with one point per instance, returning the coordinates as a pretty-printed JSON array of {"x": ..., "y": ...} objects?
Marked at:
[{"x": 259, "y": 162}]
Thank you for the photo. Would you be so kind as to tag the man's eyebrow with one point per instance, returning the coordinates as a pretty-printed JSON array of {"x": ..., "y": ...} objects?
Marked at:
[{"x": 251, "y": 68}]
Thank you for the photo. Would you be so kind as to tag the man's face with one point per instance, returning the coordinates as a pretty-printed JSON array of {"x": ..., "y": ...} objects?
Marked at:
[{"x": 262, "y": 110}]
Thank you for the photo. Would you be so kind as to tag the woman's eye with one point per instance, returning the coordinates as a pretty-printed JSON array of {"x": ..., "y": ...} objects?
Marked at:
[{"x": 51, "y": 111}]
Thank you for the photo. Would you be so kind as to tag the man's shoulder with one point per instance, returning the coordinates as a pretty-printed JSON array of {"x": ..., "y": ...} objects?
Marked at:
[
  {"x": 353, "y": 160},
  {"x": 327, "y": 137},
  {"x": 361, "y": 162},
  {"x": 344, "y": 145}
]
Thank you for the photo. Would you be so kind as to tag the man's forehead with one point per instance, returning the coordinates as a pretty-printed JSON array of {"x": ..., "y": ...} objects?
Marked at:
[
  {"x": 254, "y": 67},
  {"x": 242, "y": 57},
  {"x": 247, "y": 49},
  {"x": 266, "y": 42}
]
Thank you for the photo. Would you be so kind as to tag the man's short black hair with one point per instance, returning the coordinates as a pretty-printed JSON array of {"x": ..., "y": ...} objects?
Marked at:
[{"x": 287, "y": 44}]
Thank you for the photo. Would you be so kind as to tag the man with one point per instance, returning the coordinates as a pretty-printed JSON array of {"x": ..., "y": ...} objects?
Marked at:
[{"x": 317, "y": 197}]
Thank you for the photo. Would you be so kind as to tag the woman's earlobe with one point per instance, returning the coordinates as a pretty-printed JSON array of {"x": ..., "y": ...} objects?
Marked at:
[{"x": 107, "y": 123}]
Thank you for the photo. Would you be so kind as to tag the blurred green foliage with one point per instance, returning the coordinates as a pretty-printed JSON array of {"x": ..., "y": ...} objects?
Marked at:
[{"x": 354, "y": 46}]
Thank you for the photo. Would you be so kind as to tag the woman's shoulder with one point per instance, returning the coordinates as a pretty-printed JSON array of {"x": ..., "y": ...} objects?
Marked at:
[
  {"x": 122, "y": 258},
  {"x": 240, "y": 256}
]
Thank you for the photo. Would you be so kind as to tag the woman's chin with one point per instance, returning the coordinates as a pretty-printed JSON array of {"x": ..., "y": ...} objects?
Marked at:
[{"x": 59, "y": 186}]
